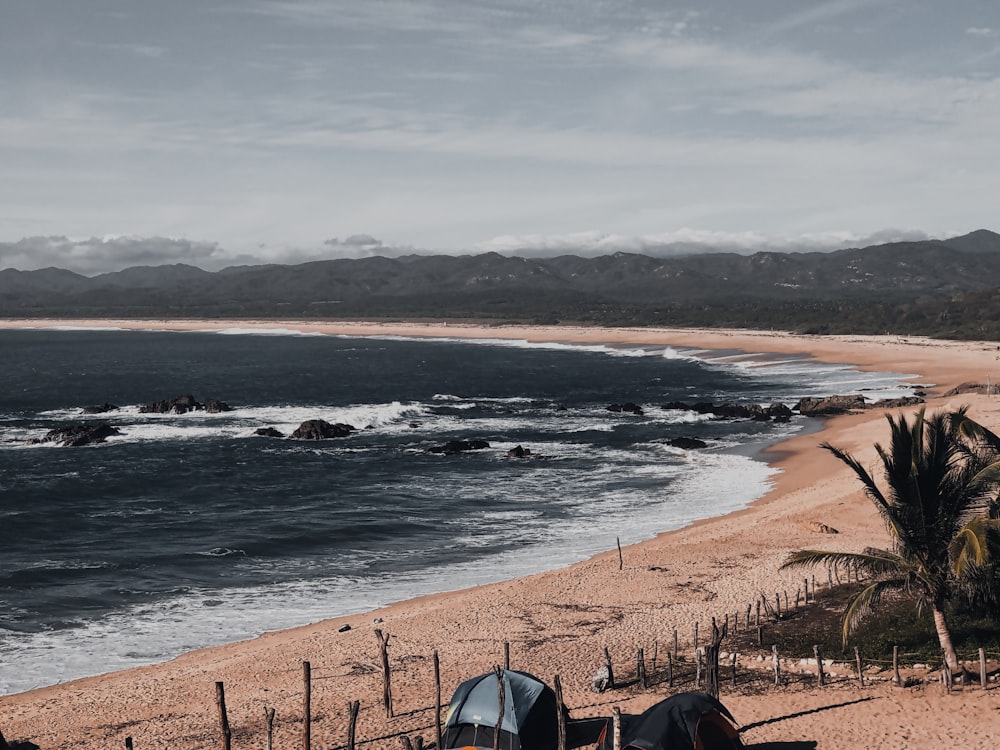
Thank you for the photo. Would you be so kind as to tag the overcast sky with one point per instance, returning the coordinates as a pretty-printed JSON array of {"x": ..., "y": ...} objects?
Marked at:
[{"x": 280, "y": 131}]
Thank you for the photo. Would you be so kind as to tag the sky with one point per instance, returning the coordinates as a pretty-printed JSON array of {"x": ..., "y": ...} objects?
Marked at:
[{"x": 222, "y": 132}]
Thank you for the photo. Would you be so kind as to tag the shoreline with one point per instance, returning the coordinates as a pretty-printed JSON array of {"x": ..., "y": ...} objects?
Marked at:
[{"x": 556, "y": 621}]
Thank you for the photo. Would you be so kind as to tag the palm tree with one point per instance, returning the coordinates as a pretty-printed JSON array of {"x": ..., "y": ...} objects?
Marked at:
[{"x": 941, "y": 476}]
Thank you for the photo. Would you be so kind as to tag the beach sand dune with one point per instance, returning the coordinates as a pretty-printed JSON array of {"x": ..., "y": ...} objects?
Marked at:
[{"x": 560, "y": 622}]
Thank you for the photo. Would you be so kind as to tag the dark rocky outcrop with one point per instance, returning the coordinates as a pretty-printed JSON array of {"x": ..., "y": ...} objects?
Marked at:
[
  {"x": 319, "y": 429},
  {"x": 628, "y": 408},
  {"x": 184, "y": 404},
  {"x": 970, "y": 387},
  {"x": 830, "y": 405},
  {"x": 214, "y": 406},
  {"x": 74, "y": 435},
  {"x": 268, "y": 432},
  {"x": 102, "y": 409},
  {"x": 777, "y": 412},
  {"x": 459, "y": 446},
  {"x": 519, "y": 452},
  {"x": 896, "y": 403},
  {"x": 687, "y": 443}
]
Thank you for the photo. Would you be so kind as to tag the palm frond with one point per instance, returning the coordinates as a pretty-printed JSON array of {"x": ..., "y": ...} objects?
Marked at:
[
  {"x": 866, "y": 602},
  {"x": 970, "y": 547},
  {"x": 872, "y": 562}
]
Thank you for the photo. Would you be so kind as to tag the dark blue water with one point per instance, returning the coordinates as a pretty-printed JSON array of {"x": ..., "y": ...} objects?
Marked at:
[{"x": 189, "y": 530}]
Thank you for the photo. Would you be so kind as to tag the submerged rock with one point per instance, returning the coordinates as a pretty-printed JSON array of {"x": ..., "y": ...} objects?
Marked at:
[{"x": 459, "y": 446}]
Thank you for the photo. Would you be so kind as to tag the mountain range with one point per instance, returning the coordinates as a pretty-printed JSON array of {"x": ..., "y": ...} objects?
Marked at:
[{"x": 936, "y": 287}]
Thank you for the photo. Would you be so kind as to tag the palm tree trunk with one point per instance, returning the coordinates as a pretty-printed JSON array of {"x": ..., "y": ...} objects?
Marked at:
[{"x": 944, "y": 638}]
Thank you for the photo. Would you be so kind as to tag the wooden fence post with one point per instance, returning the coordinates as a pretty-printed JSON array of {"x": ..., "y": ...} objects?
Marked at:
[
  {"x": 501, "y": 699},
  {"x": 306, "y": 706},
  {"x": 560, "y": 714},
  {"x": 776, "y": 664},
  {"x": 621, "y": 560},
  {"x": 220, "y": 701},
  {"x": 611, "y": 673},
  {"x": 269, "y": 721},
  {"x": 982, "y": 668},
  {"x": 676, "y": 649},
  {"x": 352, "y": 723},
  {"x": 640, "y": 669},
  {"x": 386, "y": 676},
  {"x": 128, "y": 743},
  {"x": 820, "y": 677},
  {"x": 861, "y": 674},
  {"x": 437, "y": 700},
  {"x": 506, "y": 654},
  {"x": 616, "y": 731},
  {"x": 895, "y": 666},
  {"x": 696, "y": 635},
  {"x": 734, "y": 668}
]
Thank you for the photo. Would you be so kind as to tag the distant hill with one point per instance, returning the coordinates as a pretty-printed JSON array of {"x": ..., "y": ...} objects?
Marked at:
[{"x": 935, "y": 287}]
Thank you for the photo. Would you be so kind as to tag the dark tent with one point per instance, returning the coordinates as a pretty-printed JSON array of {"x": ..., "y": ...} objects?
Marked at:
[
  {"x": 686, "y": 721},
  {"x": 530, "y": 721}
]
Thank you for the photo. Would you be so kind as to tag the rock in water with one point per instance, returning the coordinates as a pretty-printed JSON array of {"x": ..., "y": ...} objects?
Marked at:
[
  {"x": 319, "y": 429},
  {"x": 74, "y": 435}
]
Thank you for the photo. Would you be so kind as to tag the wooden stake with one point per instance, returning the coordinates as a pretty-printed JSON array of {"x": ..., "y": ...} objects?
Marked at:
[
  {"x": 820, "y": 677},
  {"x": 656, "y": 651},
  {"x": 895, "y": 666},
  {"x": 861, "y": 674},
  {"x": 306, "y": 706},
  {"x": 128, "y": 743},
  {"x": 611, "y": 672},
  {"x": 696, "y": 635},
  {"x": 386, "y": 675},
  {"x": 805, "y": 589},
  {"x": 749, "y": 607},
  {"x": 437, "y": 700},
  {"x": 616, "y": 732},
  {"x": 621, "y": 561},
  {"x": 506, "y": 654},
  {"x": 405, "y": 742},
  {"x": 734, "y": 668},
  {"x": 670, "y": 670},
  {"x": 501, "y": 698},
  {"x": 269, "y": 719},
  {"x": 352, "y": 723},
  {"x": 220, "y": 702},
  {"x": 676, "y": 651},
  {"x": 757, "y": 622},
  {"x": 776, "y": 664},
  {"x": 982, "y": 668},
  {"x": 560, "y": 713}
]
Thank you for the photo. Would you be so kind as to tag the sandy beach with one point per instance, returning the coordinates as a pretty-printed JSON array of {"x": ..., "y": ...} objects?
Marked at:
[{"x": 560, "y": 622}]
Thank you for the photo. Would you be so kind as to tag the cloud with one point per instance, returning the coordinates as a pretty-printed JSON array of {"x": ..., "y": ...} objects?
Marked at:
[
  {"x": 99, "y": 255},
  {"x": 981, "y": 31},
  {"x": 686, "y": 242}
]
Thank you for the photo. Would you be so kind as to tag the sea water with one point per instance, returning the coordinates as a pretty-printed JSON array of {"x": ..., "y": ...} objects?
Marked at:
[{"x": 190, "y": 530}]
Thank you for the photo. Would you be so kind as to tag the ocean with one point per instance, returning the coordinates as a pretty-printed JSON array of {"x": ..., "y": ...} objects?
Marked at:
[{"x": 190, "y": 530}]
